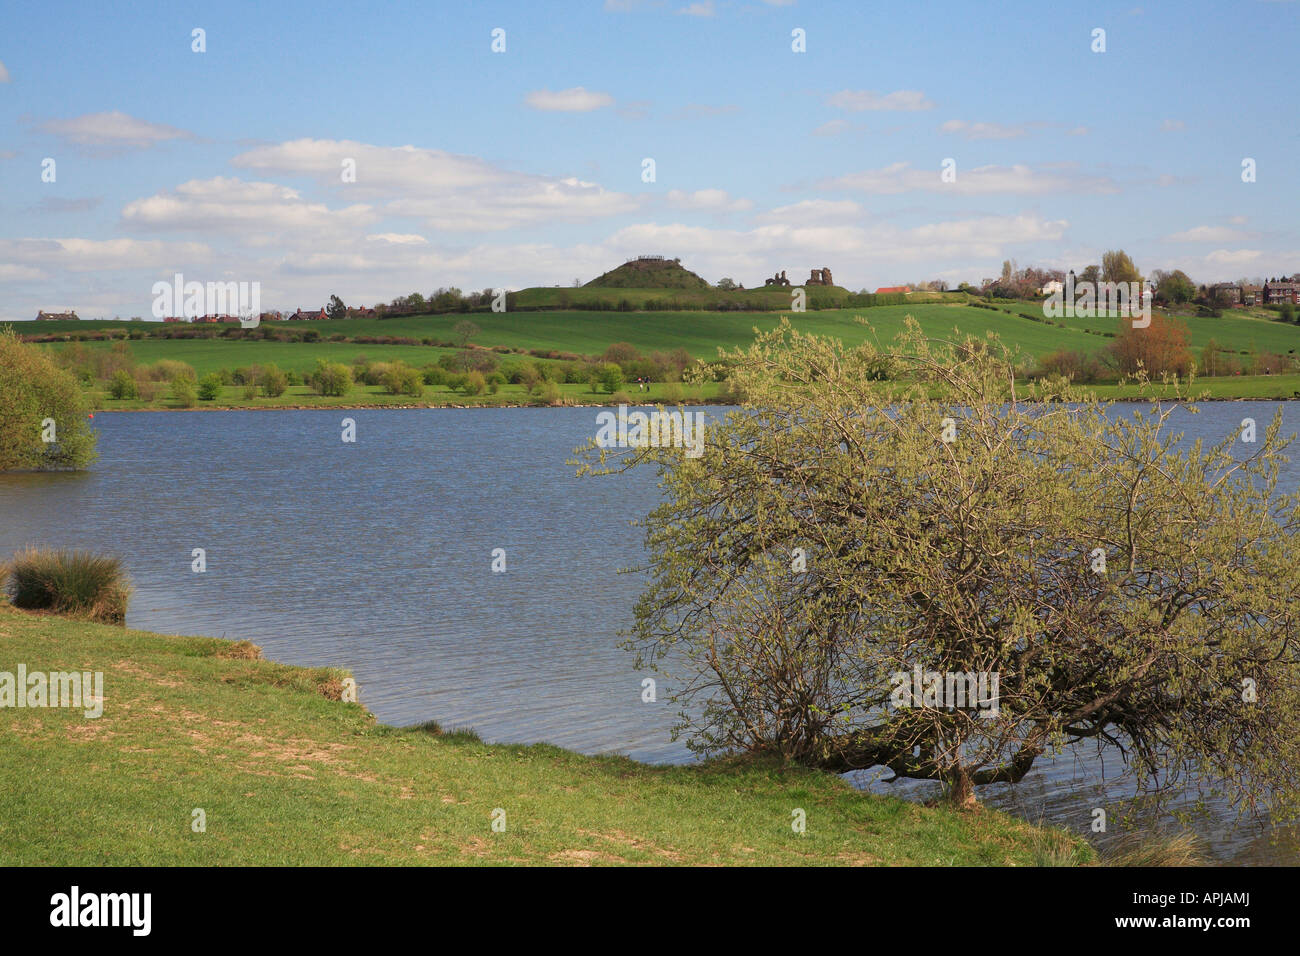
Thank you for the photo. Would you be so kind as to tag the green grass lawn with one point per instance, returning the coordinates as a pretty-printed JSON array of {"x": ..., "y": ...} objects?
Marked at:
[{"x": 287, "y": 774}]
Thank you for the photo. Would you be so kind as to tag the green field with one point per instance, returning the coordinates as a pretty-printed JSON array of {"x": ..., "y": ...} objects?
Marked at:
[
  {"x": 287, "y": 774},
  {"x": 701, "y": 334}
]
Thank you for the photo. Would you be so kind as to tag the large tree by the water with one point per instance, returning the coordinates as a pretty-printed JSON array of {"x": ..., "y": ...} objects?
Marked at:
[{"x": 875, "y": 512}]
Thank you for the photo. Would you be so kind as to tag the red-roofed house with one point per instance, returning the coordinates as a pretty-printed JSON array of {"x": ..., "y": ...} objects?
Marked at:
[{"x": 894, "y": 290}]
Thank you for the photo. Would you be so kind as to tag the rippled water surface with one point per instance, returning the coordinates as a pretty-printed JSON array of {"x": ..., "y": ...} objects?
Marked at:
[{"x": 376, "y": 556}]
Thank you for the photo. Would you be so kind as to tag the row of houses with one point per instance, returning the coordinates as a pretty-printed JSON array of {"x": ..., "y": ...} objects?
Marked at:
[
  {"x": 69, "y": 316},
  {"x": 297, "y": 316},
  {"x": 1272, "y": 292}
]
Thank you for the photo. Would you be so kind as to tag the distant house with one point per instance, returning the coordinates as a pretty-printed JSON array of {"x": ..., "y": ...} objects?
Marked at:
[
  {"x": 69, "y": 316},
  {"x": 1227, "y": 292},
  {"x": 301, "y": 316},
  {"x": 894, "y": 290},
  {"x": 1277, "y": 293},
  {"x": 1250, "y": 295},
  {"x": 1052, "y": 288},
  {"x": 361, "y": 313}
]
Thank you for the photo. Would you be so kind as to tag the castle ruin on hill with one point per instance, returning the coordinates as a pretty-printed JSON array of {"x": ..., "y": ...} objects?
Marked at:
[{"x": 820, "y": 276}]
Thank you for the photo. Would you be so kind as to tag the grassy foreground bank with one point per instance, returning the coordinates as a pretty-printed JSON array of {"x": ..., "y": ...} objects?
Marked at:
[{"x": 288, "y": 774}]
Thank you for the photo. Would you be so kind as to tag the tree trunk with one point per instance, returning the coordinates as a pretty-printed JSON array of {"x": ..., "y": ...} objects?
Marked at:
[{"x": 961, "y": 789}]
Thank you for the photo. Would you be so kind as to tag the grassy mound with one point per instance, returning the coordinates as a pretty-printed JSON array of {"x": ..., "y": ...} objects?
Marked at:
[{"x": 649, "y": 274}]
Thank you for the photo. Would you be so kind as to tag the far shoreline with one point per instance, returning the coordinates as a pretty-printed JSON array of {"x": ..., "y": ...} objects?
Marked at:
[{"x": 394, "y": 406}]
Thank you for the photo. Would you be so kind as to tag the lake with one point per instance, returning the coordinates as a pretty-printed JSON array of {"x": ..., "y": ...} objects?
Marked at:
[{"x": 377, "y": 557}]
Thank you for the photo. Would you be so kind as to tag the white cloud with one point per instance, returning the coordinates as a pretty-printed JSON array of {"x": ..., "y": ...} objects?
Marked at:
[
  {"x": 708, "y": 199},
  {"x": 701, "y": 9},
  {"x": 1222, "y": 257},
  {"x": 381, "y": 170},
  {"x": 529, "y": 203},
  {"x": 833, "y": 127},
  {"x": 10, "y": 272},
  {"x": 983, "y": 130},
  {"x": 857, "y": 101},
  {"x": 99, "y": 255},
  {"x": 370, "y": 266},
  {"x": 1206, "y": 234},
  {"x": 446, "y": 190},
  {"x": 115, "y": 129},
  {"x": 1171, "y": 125},
  {"x": 981, "y": 180},
  {"x": 232, "y": 205},
  {"x": 574, "y": 100},
  {"x": 399, "y": 238},
  {"x": 820, "y": 210},
  {"x": 4, "y": 73}
]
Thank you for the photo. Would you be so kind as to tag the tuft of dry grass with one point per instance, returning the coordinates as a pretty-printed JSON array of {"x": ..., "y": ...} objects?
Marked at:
[
  {"x": 76, "y": 583},
  {"x": 1145, "y": 849}
]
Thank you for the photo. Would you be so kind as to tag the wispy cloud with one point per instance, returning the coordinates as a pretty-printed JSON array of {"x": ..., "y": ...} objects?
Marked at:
[
  {"x": 717, "y": 200},
  {"x": 856, "y": 101},
  {"x": 112, "y": 129},
  {"x": 574, "y": 100},
  {"x": 985, "y": 130},
  {"x": 980, "y": 180},
  {"x": 1207, "y": 234}
]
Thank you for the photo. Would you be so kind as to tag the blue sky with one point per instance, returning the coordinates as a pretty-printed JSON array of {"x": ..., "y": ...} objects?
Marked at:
[{"x": 482, "y": 169}]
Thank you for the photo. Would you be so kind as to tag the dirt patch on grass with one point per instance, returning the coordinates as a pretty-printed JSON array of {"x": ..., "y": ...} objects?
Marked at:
[
  {"x": 636, "y": 843},
  {"x": 584, "y": 857},
  {"x": 135, "y": 670},
  {"x": 91, "y": 731}
]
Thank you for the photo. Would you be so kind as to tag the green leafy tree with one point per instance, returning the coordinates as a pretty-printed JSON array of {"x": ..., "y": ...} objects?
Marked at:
[
  {"x": 336, "y": 309},
  {"x": 1174, "y": 287},
  {"x": 184, "y": 392},
  {"x": 331, "y": 378},
  {"x": 401, "y": 379},
  {"x": 122, "y": 386},
  {"x": 44, "y": 415},
  {"x": 839, "y": 535},
  {"x": 1116, "y": 266},
  {"x": 209, "y": 387},
  {"x": 274, "y": 382},
  {"x": 611, "y": 377}
]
